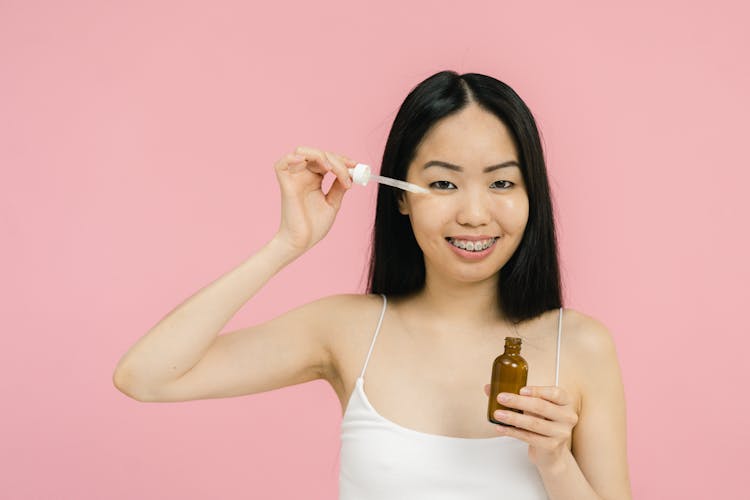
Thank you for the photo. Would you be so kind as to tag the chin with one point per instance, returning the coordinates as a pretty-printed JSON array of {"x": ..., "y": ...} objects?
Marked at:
[
  {"x": 476, "y": 278},
  {"x": 469, "y": 275}
]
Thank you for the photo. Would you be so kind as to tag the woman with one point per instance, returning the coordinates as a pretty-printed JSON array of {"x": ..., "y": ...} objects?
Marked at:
[{"x": 453, "y": 272}]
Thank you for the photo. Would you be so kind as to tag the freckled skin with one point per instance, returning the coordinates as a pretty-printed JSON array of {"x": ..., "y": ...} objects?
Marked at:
[{"x": 470, "y": 202}]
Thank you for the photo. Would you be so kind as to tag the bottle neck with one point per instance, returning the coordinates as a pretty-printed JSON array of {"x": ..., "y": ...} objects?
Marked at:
[{"x": 512, "y": 346}]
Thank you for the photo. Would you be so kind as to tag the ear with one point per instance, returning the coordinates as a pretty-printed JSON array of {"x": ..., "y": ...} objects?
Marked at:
[{"x": 403, "y": 205}]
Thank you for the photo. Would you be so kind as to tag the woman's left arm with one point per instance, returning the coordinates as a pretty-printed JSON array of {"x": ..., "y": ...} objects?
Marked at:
[{"x": 597, "y": 466}]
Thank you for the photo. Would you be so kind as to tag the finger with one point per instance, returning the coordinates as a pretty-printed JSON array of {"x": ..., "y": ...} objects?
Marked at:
[
  {"x": 347, "y": 161},
  {"x": 327, "y": 159},
  {"x": 536, "y": 415},
  {"x": 542, "y": 408},
  {"x": 296, "y": 163},
  {"x": 318, "y": 167},
  {"x": 339, "y": 168},
  {"x": 531, "y": 405},
  {"x": 297, "y": 167},
  {"x": 528, "y": 437},
  {"x": 285, "y": 162},
  {"x": 314, "y": 167},
  {"x": 335, "y": 194},
  {"x": 555, "y": 394},
  {"x": 536, "y": 425},
  {"x": 487, "y": 389},
  {"x": 316, "y": 161}
]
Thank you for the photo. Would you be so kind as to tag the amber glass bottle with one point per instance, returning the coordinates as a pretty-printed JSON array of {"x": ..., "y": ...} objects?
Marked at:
[{"x": 509, "y": 374}]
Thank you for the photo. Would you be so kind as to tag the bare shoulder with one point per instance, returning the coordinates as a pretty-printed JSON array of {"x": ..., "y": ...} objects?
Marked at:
[
  {"x": 590, "y": 337},
  {"x": 341, "y": 314},
  {"x": 342, "y": 311},
  {"x": 344, "y": 321},
  {"x": 591, "y": 344}
]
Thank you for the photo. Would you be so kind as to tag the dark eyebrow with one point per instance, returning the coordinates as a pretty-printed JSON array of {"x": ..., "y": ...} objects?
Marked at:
[{"x": 450, "y": 166}]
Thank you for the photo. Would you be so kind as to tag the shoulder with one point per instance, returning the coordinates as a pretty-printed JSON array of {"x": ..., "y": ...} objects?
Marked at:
[
  {"x": 334, "y": 317},
  {"x": 588, "y": 336},
  {"x": 339, "y": 317},
  {"x": 345, "y": 323},
  {"x": 344, "y": 305},
  {"x": 347, "y": 307},
  {"x": 590, "y": 343},
  {"x": 580, "y": 332}
]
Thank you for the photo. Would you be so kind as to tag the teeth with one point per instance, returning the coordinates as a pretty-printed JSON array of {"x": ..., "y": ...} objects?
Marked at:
[{"x": 472, "y": 246}]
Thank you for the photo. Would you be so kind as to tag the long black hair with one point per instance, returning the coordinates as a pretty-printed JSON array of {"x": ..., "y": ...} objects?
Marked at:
[{"x": 530, "y": 282}]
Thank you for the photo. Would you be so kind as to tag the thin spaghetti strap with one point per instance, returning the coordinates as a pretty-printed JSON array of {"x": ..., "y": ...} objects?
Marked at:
[
  {"x": 377, "y": 329},
  {"x": 559, "y": 333}
]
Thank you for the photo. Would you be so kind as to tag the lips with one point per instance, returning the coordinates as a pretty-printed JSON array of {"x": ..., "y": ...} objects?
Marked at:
[
  {"x": 471, "y": 254},
  {"x": 467, "y": 237},
  {"x": 472, "y": 242}
]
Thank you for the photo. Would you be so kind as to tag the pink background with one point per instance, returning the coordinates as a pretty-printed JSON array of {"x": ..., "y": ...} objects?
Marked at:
[{"x": 137, "y": 141}]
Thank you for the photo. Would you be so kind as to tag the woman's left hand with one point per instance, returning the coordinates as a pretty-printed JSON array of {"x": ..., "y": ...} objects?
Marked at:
[{"x": 546, "y": 424}]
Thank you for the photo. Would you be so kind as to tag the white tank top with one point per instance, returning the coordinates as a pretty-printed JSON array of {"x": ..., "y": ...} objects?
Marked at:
[{"x": 381, "y": 460}]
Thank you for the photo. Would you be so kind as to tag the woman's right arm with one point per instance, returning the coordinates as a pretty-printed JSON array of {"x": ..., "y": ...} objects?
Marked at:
[{"x": 183, "y": 357}]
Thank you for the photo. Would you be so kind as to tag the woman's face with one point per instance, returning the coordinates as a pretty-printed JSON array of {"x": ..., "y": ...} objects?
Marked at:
[{"x": 468, "y": 200}]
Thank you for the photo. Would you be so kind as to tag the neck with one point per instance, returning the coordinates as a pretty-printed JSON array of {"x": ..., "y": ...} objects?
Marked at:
[{"x": 450, "y": 305}]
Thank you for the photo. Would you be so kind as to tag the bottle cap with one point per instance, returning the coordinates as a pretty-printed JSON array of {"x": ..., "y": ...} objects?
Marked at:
[{"x": 360, "y": 174}]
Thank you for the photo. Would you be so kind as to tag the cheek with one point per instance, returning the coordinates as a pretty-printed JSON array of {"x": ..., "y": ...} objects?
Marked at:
[
  {"x": 430, "y": 209},
  {"x": 429, "y": 218},
  {"x": 514, "y": 211}
]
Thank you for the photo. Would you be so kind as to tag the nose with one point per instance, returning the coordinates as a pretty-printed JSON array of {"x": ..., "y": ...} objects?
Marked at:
[{"x": 473, "y": 208}]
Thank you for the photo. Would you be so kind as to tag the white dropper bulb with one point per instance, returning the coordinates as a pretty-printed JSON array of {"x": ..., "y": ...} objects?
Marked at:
[{"x": 360, "y": 174}]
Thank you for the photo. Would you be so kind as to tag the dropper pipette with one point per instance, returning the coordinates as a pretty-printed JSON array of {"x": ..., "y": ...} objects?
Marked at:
[{"x": 362, "y": 174}]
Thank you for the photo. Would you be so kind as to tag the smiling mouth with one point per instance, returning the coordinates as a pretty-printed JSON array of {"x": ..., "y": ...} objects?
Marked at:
[{"x": 472, "y": 246}]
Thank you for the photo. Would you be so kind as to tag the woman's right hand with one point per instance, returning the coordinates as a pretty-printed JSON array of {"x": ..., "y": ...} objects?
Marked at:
[{"x": 307, "y": 213}]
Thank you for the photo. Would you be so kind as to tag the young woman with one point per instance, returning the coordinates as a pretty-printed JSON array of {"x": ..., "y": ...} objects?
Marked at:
[{"x": 453, "y": 273}]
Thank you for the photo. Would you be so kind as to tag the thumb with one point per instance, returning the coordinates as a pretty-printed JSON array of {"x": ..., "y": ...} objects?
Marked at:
[{"x": 335, "y": 194}]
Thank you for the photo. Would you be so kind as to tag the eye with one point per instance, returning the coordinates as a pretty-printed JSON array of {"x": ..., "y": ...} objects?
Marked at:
[
  {"x": 508, "y": 182},
  {"x": 439, "y": 182}
]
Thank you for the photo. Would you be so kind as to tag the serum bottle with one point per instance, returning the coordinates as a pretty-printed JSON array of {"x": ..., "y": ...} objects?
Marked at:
[{"x": 509, "y": 374}]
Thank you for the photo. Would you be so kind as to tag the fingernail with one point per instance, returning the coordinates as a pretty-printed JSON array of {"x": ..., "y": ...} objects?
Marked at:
[
  {"x": 504, "y": 397},
  {"x": 525, "y": 391}
]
